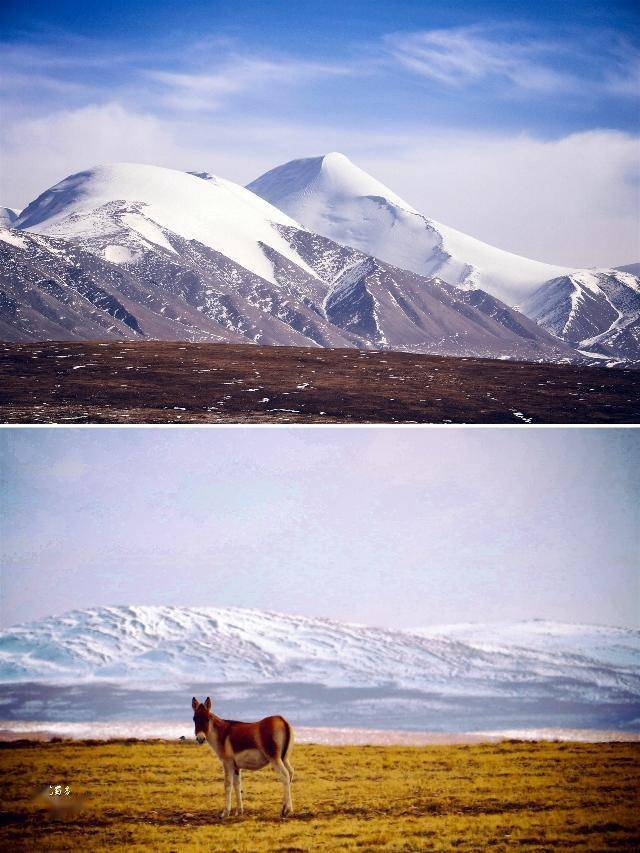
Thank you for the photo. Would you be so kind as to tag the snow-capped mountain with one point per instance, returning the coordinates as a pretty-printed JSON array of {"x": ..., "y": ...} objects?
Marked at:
[
  {"x": 617, "y": 647},
  {"x": 333, "y": 196},
  {"x": 123, "y": 209},
  {"x": 128, "y": 250},
  {"x": 521, "y": 665}
]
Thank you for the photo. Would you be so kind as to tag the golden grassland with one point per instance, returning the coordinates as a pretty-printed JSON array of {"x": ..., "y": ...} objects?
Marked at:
[{"x": 163, "y": 796}]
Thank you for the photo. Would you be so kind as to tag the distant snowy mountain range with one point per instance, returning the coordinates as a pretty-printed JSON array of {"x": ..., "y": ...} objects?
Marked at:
[
  {"x": 315, "y": 252},
  {"x": 526, "y": 669}
]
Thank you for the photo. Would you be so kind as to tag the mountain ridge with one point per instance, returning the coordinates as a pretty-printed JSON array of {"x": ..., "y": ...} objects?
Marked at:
[{"x": 133, "y": 250}]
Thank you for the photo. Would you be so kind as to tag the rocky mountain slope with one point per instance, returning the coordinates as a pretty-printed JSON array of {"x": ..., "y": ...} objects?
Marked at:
[{"x": 595, "y": 311}]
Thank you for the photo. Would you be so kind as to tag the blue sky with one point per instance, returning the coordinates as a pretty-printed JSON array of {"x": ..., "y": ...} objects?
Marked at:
[
  {"x": 515, "y": 122},
  {"x": 383, "y": 526}
]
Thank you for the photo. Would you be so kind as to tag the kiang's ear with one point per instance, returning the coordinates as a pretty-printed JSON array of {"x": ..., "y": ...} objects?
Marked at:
[
  {"x": 194, "y": 703},
  {"x": 207, "y": 703}
]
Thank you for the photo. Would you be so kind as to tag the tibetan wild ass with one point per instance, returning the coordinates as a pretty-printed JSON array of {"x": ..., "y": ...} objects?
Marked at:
[{"x": 246, "y": 746}]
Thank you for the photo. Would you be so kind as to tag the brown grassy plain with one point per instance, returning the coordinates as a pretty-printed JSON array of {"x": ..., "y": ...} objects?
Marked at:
[
  {"x": 166, "y": 796},
  {"x": 161, "y": 382}
]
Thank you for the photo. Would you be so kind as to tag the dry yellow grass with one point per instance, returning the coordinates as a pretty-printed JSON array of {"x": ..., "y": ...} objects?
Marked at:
[{"x": 167, "y": 796}]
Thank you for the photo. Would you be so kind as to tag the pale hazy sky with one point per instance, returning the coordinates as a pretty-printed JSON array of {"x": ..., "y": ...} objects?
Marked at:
[
  {"x": 515, "y": 122},
  {"x": 398, "y": 527}
]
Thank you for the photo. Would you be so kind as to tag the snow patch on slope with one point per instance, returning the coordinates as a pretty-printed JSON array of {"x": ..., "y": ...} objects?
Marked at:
[
  {"x": 119, "y": 254},
  {"x": 12, "y": 238}
]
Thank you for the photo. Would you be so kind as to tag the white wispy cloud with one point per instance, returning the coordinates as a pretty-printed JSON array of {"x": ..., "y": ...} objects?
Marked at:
[
  {"x": 625, "y": 78},
  {"x": 463, "y": 56},
  {"x": 206, "y": 90},
  {"x": 201, "y": 75},
  {"x": 13, "y": 82}
]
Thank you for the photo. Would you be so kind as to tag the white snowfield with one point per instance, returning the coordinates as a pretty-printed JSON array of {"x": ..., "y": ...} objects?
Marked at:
[
  {"x": 333, "y": 196},
  {"x": 168, "y": 646},
  {"x": 7, "y": 235},
  {"x": 147, "y": 200}
]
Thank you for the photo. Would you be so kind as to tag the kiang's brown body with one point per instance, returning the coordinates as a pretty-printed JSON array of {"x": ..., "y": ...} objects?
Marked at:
[
  {"x": 246, "y": 746},
  {"x": 269, "y": 738}
]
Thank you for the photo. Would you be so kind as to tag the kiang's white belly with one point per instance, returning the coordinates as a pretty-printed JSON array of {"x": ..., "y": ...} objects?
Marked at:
[{"x": 250, "y": 759}]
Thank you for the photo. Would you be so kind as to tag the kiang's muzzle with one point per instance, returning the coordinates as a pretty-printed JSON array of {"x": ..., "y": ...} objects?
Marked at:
[{"x": 200, "y": 738}]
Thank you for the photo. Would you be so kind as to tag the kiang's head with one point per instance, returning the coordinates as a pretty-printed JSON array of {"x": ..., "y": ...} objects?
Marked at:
[{"x": 201, "y": 718}]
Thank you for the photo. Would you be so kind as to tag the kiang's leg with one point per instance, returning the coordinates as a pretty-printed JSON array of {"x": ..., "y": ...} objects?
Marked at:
[
  {"x": 237, "y": 787},
  {"x": 287, "y": 764},
  {"x": 228, "y": 775},
  {"x": 283, "y": 773}
]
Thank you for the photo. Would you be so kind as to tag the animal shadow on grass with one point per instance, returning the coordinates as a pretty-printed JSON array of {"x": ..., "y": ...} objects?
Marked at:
[{"x": 206, "y": 818}]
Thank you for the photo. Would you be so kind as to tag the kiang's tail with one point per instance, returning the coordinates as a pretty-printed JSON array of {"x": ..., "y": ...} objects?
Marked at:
[
  {"x": 286, "y": 749},
  {"x": 288, "y": 739}
]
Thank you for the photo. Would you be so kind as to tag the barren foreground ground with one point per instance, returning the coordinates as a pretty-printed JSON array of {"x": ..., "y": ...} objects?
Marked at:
[
  {"x": 167, "y": 795},
  {"x": 159, "y": 382}
]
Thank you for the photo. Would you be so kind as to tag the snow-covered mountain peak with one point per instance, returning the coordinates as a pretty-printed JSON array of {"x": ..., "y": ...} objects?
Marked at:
[
  {"x": 316, "y": 183},
  {"x": 160, "y": 188},
  {"x": 334, "y": 197},
  {"x": 348, "y": 181},
  {"x": 152, "y": 203},
  {"x": 335, "y": 158}
]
